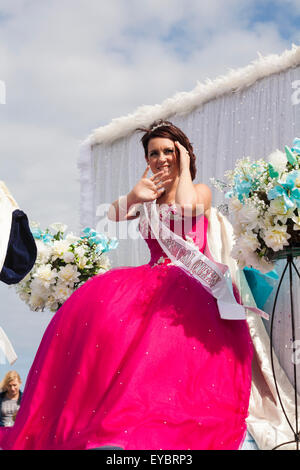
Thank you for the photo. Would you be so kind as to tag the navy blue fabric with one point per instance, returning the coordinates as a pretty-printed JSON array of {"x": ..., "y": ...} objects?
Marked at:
[{"x": 21, "y": 251}]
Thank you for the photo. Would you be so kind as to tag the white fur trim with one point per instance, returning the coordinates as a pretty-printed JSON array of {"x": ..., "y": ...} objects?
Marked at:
[{"x": 186, "y": 102}]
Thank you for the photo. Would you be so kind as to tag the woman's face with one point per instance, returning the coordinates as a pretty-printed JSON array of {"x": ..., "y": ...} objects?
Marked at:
[
  {"x": 162, "y": 156},
  {"x": 13, "y": 388}
]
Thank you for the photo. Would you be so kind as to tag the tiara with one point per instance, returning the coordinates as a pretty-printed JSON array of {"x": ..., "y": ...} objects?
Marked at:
[{"x": 160, "y": 125}]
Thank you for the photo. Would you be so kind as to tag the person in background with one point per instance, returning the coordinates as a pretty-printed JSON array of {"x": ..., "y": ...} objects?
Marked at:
[{"x": 10, "y": 398}]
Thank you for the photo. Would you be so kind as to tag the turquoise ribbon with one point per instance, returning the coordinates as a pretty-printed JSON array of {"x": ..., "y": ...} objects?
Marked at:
[{"x": 261, "y": 285}]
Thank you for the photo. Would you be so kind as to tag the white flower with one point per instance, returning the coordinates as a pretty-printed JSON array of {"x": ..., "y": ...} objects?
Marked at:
[
  {"x": 71, "y": 238},
  {"x": 34, "y": 224},
  {"x": 24, "y": 296},
  {"x": 267, "y": 221},
  {"x": 68, "y": 274},
  {"x": 59, "y": 248},
  {"x": 103, "y": 262},
  {"x": 58, "y": 227},
  {"x": 37, "y": 302},
  {"x": 261, "y": 264},
  {"x": 240, "y": 254},
  {"x": 80, "y": 251},
  {"x": 45, "y": 275},
  {"x": 276, "y": 237},
  {"x": 295, "y": 218},
  {"x": 39, "y": 294},
  {"x": 248, "y": 241},
  {"x": 246, "y": 257},
  {"x": 43, "y": 252},
  {"x": 278, "y": 160},
  {"x": 248, "y": 215},
  {"x": 277, "y": 208},
  {"x": 235, "y": 204},
  {"x": 82, "y": 262},
  {"x": 68, "y": 256},
  {"x": 62, "y": 292},
  {"x": 52, "y": 304}
]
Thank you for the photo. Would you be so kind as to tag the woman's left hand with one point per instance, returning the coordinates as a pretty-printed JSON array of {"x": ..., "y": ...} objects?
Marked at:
[{"x": 184, "y": 157}]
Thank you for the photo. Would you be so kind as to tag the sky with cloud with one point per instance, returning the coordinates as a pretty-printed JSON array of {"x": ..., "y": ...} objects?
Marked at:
[{"x": 71, "y": 66}]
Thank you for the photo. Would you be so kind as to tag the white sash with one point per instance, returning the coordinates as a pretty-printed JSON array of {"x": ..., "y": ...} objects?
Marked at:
[{"x": 214, "y": 277}]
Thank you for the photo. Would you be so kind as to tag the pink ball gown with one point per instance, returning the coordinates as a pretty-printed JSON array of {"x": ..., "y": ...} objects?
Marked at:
[{"x": 138, "y": 358}]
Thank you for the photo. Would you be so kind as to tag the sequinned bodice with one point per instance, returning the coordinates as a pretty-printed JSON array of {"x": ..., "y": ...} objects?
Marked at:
[{"x": 191, "y": 229}]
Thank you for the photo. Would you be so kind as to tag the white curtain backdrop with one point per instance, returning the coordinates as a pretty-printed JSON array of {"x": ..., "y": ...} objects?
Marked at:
[{"x": 253, "y": 120}]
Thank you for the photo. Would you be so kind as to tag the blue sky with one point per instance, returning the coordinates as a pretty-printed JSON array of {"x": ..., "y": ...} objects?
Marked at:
[
  {"x": 69, "y": 68},
  {"x": 285, "y": 15}
]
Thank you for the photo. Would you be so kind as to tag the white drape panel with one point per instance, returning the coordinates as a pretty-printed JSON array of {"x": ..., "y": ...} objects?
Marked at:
[{"x": 252, "y": 121}]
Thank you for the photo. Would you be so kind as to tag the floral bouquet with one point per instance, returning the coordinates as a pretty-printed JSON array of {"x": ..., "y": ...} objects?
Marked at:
[
  {"x": 64, "y": 263},
  {"x": 264, "y": 199}
]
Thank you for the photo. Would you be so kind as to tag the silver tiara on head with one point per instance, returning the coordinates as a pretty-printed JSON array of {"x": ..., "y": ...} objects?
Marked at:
[{"x": 161, "y": 124}]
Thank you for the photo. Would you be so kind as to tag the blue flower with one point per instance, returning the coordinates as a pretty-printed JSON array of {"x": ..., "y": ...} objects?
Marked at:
[
  {"x": 113, "y": 243},
  {"x": 89, "y": 232},
  {"x": 241, "y": 188},
  {"x": 48, "y": 238},
  {"x": 37, "y": 233},
  {"x": 290, "y": 151},
  {"x": 102, "y": 241},
  {"x": 296, "y": 146},
  {"x": 289, "y": 190}
]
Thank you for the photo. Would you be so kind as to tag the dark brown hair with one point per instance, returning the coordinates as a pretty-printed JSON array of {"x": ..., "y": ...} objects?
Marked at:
[{"x": 167, "y": 130}]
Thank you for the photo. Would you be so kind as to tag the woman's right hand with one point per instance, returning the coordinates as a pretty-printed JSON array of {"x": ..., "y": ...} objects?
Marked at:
[{"x": 149, "y": 189}]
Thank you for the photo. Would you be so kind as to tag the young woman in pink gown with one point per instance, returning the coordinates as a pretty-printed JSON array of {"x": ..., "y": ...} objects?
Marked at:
[{"x": 139, "y": 357}]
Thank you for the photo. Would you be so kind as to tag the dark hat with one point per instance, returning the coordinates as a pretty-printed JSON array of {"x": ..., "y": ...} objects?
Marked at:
[{"x": 21, "y": 250}]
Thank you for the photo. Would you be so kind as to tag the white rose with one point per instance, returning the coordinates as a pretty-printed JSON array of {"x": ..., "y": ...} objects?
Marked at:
[
  {"x": 62, "y": 292},
  {"x": 249, "y": 241},
  {"x": 68, "y": 257},
  {"x": 59, "y": 248},
  {"x": 39, "y": 295},
  {"x": 45, "y": 275},
  {"x": 240, "y": 254},
  {"x": 278, "y": 210},
  {"x": 80, "y": 251},
  {"x": 43, "y": 252},
  {"x": 82, "y": 262},
  {"x": 36, "y": 301},
  {"x": 276, "y": 237},
  {"x": 68, "y": 274},
  {"x": 248, "y": 215}
]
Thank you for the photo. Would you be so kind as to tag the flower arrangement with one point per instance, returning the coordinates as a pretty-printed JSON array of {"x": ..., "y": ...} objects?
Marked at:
[
  {"x": 64, "y": 262},
  {"x": 264, "y": 199}
]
